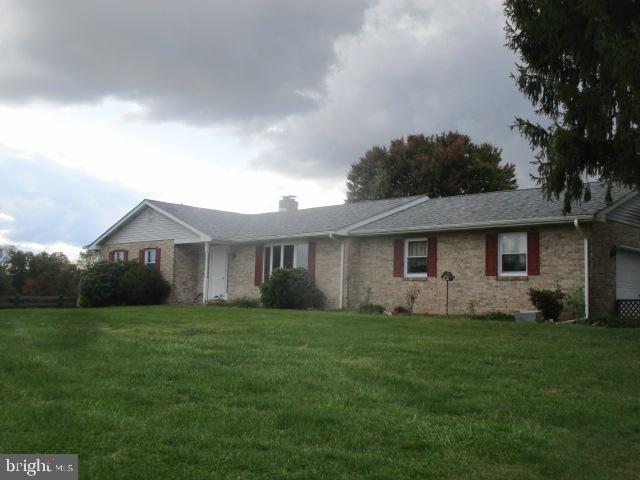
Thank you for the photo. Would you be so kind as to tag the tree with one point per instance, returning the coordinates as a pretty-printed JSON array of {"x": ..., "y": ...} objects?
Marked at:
[
  {"x": 42, "y": 273},
  {"x": 580, "y": 69},
  {"x": 436, "y": 165}
]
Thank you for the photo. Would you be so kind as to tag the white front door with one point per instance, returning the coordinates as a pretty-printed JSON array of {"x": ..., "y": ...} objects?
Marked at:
[
  {"x": 218, "y": 257},
  {"x": 627, "y": 275}
]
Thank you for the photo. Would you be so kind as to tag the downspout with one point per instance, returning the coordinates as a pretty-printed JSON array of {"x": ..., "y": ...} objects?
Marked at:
[
  {"x": 205, "y": 281},
  {"x": 585, "y": 240},
  {"x": 341, "y": 280}
]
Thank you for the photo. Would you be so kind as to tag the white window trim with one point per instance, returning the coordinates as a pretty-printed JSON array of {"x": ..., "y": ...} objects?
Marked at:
[
  {"x": 115, "y": 252},
  {"x": 406, "y": 256},
  {"x": 155, "y": 256},
  {"x": 281, "y": 245},
  {"x": 526, "y": 252}
]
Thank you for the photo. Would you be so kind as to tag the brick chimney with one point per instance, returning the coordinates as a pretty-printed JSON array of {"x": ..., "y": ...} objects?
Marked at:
[{"x": 287, "y": 203}]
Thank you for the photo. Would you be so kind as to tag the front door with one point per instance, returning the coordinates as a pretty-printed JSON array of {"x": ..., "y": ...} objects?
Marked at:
[{"x": 218, "y": 257}]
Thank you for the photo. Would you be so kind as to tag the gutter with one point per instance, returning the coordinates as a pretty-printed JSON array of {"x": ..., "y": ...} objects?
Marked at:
[
  {"x": 585, "y": 240},
  {"x": 474, "y": 226}
]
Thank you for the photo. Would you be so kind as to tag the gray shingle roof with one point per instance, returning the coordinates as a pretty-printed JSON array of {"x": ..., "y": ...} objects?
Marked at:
[
  {"x": 488, "y": 208},
  {"x": 230, "y": 226}
]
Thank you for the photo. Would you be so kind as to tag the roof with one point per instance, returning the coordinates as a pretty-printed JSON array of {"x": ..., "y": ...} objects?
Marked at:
[
  {"x": 405, "y": 214},
  {"x": 230, "y": 226},
  {"x": 494, "y": 208},
  {"x": 628, "y": 212}
]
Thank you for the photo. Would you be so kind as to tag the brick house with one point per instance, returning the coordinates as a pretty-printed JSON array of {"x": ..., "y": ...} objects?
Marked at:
[{"x": 497, "y": 245}]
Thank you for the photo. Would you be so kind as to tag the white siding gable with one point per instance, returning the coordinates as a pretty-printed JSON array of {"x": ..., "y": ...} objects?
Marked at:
[{"x": 150, "y": 224}]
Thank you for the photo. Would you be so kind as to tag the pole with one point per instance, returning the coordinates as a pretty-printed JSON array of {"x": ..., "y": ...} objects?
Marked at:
[{"x": 447, "y": 309}]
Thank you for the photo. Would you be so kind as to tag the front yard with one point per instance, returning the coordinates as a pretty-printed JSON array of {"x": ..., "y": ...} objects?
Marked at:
[{"x": 194, "y": 392}]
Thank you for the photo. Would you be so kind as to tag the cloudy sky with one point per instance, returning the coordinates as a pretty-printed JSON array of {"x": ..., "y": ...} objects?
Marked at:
[{"x": 229, "y": 104}]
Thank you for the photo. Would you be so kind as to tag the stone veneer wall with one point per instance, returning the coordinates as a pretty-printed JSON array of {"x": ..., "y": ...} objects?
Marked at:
[
  {"x": 463, "y": 253},
  {"x": 241, "y": 275},
  {"x": 602, "y": 261}
]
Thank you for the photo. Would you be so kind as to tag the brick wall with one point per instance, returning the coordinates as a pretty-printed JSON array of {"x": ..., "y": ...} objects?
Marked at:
[
  {"x": 241, "y": 275},
  {"x": 604, "y": 238},
  {"x": 371, "y": 270},
  {"x": 241, "y": 279},
  {"x": 188, "y": 272}
]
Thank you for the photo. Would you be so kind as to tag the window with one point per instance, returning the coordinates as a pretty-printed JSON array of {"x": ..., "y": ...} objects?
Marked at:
[
  {"x": 118, "y": 256},
  {"x": 150, "y": 256},
  {"x": 512, "y": 254},
  {"x": 415, "y": 257},
  {"x": 285, "y": 256}
]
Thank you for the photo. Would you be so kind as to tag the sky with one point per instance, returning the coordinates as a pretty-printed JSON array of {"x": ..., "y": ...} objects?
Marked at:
[{"x": 230, "y": 105}]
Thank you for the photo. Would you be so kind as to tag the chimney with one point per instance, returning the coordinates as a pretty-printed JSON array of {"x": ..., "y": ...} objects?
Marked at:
[{"x": 287, "y": 203}]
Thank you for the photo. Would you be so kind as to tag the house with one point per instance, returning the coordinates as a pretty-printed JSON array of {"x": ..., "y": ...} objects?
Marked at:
[{"x": 497, "y": 245}]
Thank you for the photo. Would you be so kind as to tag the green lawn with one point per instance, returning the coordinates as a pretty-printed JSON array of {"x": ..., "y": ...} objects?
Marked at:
[{"x": 199, "y": 392}]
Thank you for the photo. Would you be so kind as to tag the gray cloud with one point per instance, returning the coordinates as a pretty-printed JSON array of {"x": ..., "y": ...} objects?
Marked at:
[
  {"x": 319, "y": 82},
  {"x": 195, "y": 61},
  {"x": 416, "y": 67},
  {"x": 54, "y": 204}
]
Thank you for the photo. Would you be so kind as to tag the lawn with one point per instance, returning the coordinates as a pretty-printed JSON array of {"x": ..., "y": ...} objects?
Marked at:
[{"x": 212, "y": 392}]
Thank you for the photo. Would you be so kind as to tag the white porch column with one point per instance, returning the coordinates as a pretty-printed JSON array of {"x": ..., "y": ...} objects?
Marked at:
[{"x": 205, "y": 281}]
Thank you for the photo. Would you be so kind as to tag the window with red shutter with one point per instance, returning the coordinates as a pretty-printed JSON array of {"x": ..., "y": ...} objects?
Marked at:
[
  {"x": 491, "y": 255},
  {"x": 312, "y": 259},
  {"x": 533, "y": 253},
  {"x": 432, "y": 257},
  {"x": 258, "y": 265}
]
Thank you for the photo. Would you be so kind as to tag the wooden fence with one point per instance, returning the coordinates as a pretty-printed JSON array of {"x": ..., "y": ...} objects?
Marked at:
[
  {"x": 31, "y": 301},
  {"x": 628, "y": 308}
]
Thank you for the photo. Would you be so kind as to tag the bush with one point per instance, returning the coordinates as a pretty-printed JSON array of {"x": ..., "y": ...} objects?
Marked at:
[
  {"x": 141, "y": 285},
  {"x": 6, "y": 285},
  {"x": 498, "y": 316},
  {"x": 400, "y": 310},
  {"x": 575, "y": 302},
  {"x": 121, "y": 283},
  {"x": 370, "y": 308},
  {"x": 244, "y": 302},
  {"x": 548, "y": 301},
  {"x": 291, "y": 288}
]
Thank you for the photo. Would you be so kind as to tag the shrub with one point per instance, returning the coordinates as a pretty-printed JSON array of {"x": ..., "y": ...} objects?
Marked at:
[
  {"x": 140, "y": 285},
  {"x": 121, "y": 283},
  {"x": 400, "y": 310},
  {"x": 244, "y": 302},
  {"x": 411, "y": 294},
  {"x": 548, "y": 301},
  {"x": 6, "y": 286},
  {"x": 499, "y": 316},
  {"x": 575, "y": 301},
  {"x": 291, "y": 288},
  {"x": 370, "y": 308}
]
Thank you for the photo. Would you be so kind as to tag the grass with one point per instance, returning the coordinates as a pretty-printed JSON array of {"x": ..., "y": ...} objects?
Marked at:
[{"x": 189, "y": 392}]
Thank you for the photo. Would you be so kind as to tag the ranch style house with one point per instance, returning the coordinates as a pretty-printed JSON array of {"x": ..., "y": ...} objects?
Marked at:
[{"x": 497, "y": 246}]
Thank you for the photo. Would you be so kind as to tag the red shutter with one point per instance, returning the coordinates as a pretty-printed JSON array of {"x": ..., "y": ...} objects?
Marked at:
[
  {"x": 491, "y": 255},
  {"x": 158, "y": 256},
  {"x": 432, "y": 257},
  {"x": 398, "y": 257},
  {"x": 311, "y": 266},
  {"x": 126, "y": 255},
  {"x": 258, "y": 266},
  {"x": 111, "y": 256},
  {"x": 141, "y": 257},
  {"x": 533, "y": 253}
]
